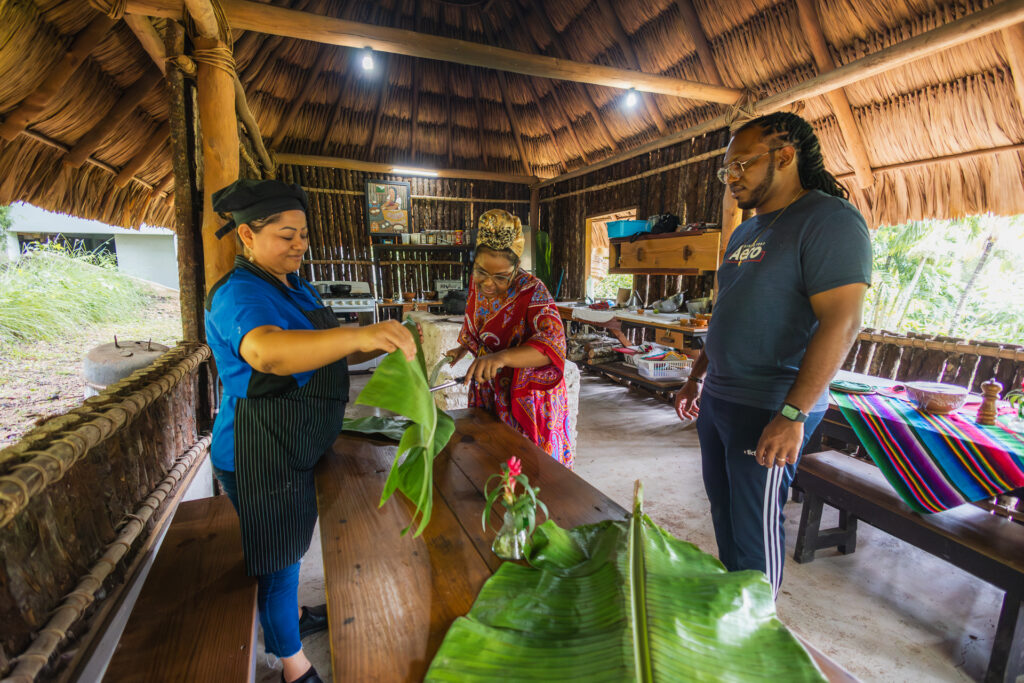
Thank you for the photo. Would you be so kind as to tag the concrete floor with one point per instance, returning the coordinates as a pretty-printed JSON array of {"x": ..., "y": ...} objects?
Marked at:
[{"x": 888, "y": 612}]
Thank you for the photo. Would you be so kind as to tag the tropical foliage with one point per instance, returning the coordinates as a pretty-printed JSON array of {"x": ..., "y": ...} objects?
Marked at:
[
  {"x": 522, "y": 505},
  {"x": 956, "y": 278},
  {"x": 400, "y": 386},
  {"x": 620, "y": 601}
]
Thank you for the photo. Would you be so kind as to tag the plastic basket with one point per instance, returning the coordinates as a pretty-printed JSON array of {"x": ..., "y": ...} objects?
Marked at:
[
  {"x": 626, "y": 228},
  {"x": 664, "y": 369}
]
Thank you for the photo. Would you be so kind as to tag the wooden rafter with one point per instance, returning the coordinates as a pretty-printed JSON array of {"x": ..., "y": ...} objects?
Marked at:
[
  {"x": 323, "y": 59},
  {"x": 692, "y": 26},
  {"x": 204, "y": 17},
  {"x": 1013, "y": 40},
  {"x": 615, "y": 24},
  {"x": 810, "y": 22},
  {"x": 474, "y": 79},
  {"x": 149, "y": 38},
  {"x": 517, "y": 134},
  {"x": 555, "y": 41},
  {"x": 127, "y": 103},
  {"x": 265, "y": 18},
  {"x": 29, "y": 109},
  {"x": 378, "y": 168}
]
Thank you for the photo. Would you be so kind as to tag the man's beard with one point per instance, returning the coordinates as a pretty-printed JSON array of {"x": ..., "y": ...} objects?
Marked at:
[{"x": 759, "y": 193}]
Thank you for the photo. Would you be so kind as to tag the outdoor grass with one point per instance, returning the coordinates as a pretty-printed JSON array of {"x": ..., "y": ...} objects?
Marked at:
[{"x": 50, "y": 292}]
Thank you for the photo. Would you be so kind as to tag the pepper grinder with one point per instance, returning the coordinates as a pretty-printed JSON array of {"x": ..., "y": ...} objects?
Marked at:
[{"x": 990, "y": 394}]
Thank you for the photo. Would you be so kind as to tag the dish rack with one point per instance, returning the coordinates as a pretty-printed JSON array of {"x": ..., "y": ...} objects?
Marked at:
[{"x": 662, "y": 369}]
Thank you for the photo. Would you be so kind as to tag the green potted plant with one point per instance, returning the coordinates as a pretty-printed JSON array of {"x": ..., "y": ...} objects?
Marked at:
[{"x": 520, "y": 518}]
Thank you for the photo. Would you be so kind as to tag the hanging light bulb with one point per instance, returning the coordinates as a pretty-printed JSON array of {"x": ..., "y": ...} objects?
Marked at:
[
  {"x": 368, "y": 60},
  {"x": 631, "y": 98}
]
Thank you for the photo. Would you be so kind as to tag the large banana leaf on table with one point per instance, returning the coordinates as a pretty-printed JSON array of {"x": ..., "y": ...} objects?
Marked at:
[
  {"x": 400, "y": 386},
  {"x": 620, "y": 601}
]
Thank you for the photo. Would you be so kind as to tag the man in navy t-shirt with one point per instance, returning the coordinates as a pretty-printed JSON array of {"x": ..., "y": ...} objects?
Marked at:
[{"x": 790, "y": 292}]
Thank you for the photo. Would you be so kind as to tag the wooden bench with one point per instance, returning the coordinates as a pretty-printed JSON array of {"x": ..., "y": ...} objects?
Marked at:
[
  {"x": 987, "y": 546},
  {"x": 195, "y": 619}
]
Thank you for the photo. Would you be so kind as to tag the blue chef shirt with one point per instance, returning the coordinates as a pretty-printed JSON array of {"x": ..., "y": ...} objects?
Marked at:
[
  {"x": 239, "y": 303},
  {"x": 763, "y": 318}
]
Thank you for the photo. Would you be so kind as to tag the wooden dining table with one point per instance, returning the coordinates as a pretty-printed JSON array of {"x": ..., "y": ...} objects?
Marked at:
[{"x": 391, "y": 597}]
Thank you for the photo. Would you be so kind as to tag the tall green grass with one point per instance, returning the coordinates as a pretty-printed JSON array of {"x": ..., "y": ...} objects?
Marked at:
[{"x": 52, "y": 291}]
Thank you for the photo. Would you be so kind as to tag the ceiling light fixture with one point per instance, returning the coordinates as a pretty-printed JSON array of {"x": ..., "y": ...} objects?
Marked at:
[
  {"x": 632, "y": 98},
  {"x": 368, "y": 59},
  {"x": 414, "y": 171}
]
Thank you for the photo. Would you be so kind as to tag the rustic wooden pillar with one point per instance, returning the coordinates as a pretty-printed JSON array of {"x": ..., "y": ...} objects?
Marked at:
[
  {"x": 732, "y": 216},
  {"x": 181, "y": 116},
  {"x": 216, "y": 98},
  {"x": 534, "y": 225}
]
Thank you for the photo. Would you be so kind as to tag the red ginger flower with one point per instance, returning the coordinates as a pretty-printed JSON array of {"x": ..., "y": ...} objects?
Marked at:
[{"x": 515, "y": 467}]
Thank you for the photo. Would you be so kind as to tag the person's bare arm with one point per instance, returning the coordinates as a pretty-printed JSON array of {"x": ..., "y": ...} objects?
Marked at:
[
  {"x": 274, "y": 351},
  {"x": 839, "y": 315},
  {"x": 686, "y": 404}
]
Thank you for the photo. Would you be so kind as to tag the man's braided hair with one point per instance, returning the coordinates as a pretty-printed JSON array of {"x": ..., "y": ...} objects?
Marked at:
[{"x": 790, "y": 129}]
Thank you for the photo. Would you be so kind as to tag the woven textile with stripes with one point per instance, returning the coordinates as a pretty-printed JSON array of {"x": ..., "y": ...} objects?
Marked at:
[{"x": 935, "y": 462}]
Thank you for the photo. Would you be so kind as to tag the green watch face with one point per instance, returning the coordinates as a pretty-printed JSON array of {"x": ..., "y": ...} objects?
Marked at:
[{"x": 791, "y": 412}]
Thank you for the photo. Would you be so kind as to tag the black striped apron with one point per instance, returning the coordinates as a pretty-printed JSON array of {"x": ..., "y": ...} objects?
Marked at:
[{"x": 279, "y": 438}]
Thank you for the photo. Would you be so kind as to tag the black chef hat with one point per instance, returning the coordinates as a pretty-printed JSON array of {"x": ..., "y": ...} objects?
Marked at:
[{"x": 249, "y": 200}]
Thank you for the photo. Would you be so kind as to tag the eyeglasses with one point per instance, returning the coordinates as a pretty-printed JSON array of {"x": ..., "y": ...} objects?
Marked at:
[
  {"x": 500, "y": 280},
  {"x": 736, "y": 169}
]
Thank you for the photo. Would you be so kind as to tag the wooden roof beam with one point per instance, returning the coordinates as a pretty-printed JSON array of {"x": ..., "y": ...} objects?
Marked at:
[
  {"x": 322, "y": 60},
  {"x": 204, "y": 17},
  {"x": 29, "y": 109},
  {"x": 386, "y": 169},
  {"x": 517, "y": 134},
  {"x": 555, "y": 41},
  {"x": 692, "y": 26},
  {"x": 615, "y": 24},
  {"x": 149, "y": 38},
  {"x": 255, "y": 16},
  {"x": 963, "y": 30},
  {"x": 1013, "y": 40},
  {"x": 128, "y": 102},
  {"x": 810, "y": 22}
]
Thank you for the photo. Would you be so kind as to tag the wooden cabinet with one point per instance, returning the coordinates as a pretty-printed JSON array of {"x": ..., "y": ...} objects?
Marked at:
[
  {"x": 669, "y": 338},
  {"x": 670, "y": 254}
]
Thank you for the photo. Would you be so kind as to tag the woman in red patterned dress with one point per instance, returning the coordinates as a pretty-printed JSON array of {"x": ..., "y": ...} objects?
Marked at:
[{"x": 516, "y": 334}]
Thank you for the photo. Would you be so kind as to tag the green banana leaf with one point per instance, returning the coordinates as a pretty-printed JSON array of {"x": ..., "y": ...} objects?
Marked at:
[
  {"x": 391, "y": 427},
  {"x": 542, "y": 267},
  {"x": 620, "y": 601},
  {"x": 400, "y": 386}
]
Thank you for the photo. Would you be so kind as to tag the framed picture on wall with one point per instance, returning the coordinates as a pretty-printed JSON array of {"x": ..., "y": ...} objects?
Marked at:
[{"x": 388, "y": 207}]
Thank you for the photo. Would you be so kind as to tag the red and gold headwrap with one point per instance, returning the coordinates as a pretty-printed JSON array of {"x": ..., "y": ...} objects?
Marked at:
[{"x": 500, "y": 230}]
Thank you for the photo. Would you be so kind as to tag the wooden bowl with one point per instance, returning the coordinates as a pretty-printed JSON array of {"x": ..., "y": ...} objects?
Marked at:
[
  {"x": 935, "y": 397},
  {"x": 430, "y": 296},
  {"x": 409, "y": 296}
]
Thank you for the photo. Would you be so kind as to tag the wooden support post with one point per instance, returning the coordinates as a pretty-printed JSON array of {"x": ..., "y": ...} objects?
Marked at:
[
  {"x": 216, "y": 98},
  {"x": 186, "y": 198},
  {"x": 204, "y": 17},
  {"x": 811, "y": 25},
  {"x": 732, "y": 216},
  {"x": 149, "y": 38},
  {"x": 155, "y": 142},
  {"x": 131, "y": 99},
  {"x": 615, "y": 24},
  {"x": 1013, "y": 40},
  {"x": 29, "y": 109},
  {"x": 253, "y": 128}
]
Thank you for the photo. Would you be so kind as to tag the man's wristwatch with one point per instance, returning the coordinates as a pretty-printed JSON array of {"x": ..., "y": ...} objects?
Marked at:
[
  {"x": 791, "y": 412},
  {"x": 696, "y": 380}
]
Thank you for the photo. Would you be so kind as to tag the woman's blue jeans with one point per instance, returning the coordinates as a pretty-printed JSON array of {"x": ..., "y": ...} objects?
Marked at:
[{"x": 278, "y": 594}]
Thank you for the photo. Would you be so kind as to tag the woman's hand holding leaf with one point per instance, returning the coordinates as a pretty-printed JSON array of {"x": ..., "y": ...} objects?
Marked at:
[
  {"x": 456, "y": 354},
  {"x": 387, "y": 336}
]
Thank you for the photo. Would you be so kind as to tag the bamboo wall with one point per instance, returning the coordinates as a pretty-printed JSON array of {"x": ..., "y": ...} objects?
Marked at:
[
  {"x": 691, "y": 192},
  {"x": 340, "y": 243},
  {"x": 67, "y": 485}
]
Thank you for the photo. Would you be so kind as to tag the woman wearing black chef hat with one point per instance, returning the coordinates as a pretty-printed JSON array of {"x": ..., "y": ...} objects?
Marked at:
[{"x": 283, "y": 361}]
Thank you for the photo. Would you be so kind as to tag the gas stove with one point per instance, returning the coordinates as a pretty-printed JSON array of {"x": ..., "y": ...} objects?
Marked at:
[{"x": 344, "y": 296}]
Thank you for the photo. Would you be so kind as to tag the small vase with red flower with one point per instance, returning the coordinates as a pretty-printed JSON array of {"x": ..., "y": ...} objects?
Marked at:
[{"x": 520, "y": 516}]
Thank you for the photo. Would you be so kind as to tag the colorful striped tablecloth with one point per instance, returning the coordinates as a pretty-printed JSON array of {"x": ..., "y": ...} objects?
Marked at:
[{"x": 935, "y": 462}]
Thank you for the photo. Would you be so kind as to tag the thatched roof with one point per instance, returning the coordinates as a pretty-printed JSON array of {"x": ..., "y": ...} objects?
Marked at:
[{"x": 958, "y": 100}]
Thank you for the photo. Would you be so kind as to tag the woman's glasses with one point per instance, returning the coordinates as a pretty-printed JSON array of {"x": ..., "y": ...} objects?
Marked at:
[{"x": 501, "y": 280}]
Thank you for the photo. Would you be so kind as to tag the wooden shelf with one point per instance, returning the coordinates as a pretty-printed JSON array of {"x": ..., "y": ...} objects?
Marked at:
[
  {"x": 423, "y": 247},
  {"x": 677, "y": 253}
]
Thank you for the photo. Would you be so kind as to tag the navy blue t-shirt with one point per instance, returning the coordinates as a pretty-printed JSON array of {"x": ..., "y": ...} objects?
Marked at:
[
  {"x": 763, "y": 318},
  {"x": 238, "y": 304}
]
